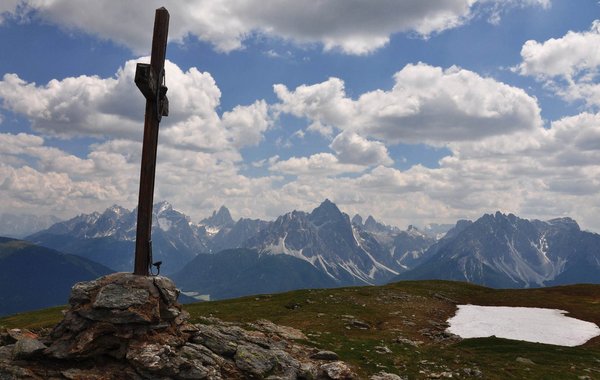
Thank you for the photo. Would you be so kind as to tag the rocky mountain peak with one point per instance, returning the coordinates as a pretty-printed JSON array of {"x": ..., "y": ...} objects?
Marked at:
[
  {"x": 115, "y": 211},
  {"x": 372, "y": 225},
  {"x": 326, "y": 212},
  {"x": 162, "y": 207},
  {"x": 357, "y": 220},
  {"x": 566, "y": 223},
  {"x": 219, "y": 218}
]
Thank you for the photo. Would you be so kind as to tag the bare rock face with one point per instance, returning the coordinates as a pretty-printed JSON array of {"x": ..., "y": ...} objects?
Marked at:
[
  {"x": 108, "y": 313},
  {"x": 123, "y": 326}
]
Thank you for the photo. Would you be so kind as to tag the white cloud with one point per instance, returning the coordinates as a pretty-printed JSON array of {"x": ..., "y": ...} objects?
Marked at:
[
  {"x": 426, "y": 105},
  {"x": 325, "y": 103},
  {"x": 567, "y": 56},
  {"x": 568, "y": 65},
  {"x": 354, "y": 27},
  {"x": 114, "y": 107},
  {"x": 246, "y": 124},
  {"x": 496, "y": 8},
  {"x": 535, "y": 173},
  {"x": 354, "y": 149},
  {"x": 6, "y": 8},
  {"x": 320, "y": 164},
  {"x": 36, "y": 177},
  {"x": 542, "y": 173}
]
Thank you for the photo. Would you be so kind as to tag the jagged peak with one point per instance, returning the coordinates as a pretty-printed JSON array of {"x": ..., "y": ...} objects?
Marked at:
[
  {"x": 372, "y": 224},
  {"x": 219, "y": 217},
  {"x": 116, "y": 209},
  {"x": 357, "y": 219},
  {"x": 564, "y": 221},
  {"x": 161, "y": 207},
  {"x": 370, "y": 219},
  {"x": 327, "y": 210}
]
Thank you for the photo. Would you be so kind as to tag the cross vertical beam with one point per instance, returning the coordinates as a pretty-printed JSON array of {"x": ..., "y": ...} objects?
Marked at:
[{"x": 151, "y": 123}]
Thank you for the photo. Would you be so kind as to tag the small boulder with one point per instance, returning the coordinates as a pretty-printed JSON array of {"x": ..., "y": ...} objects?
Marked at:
[
  {"x": 338, "y": 371},
  {"x": 255, "y": 361},
  {"x": 386, "y": 376},
  {"x": 27, "y": 348},
  {"x": 325, "y": 355}
]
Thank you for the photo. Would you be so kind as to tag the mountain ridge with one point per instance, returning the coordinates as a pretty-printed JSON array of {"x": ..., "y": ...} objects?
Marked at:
[{"x": 503, "y": 250}]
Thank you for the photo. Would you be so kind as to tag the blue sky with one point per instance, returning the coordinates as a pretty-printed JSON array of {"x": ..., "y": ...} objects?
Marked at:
[{"x": 412, "y": 111}]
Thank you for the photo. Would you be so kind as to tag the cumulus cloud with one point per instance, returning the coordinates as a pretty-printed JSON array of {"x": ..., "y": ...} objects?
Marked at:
[
  {"x": 426, "y": 105},
  {"x": 354, "y": 149},
  {"x": 536, "y": 173},
  {"x": 114, "y": 108},
  {"x": 354, "y": 27},
  {"x": 35, "y": 178},
  {"x": 540, "y": 173},
  {"x": 569, "y": 65},
  {"x": 320, "y": 164}
]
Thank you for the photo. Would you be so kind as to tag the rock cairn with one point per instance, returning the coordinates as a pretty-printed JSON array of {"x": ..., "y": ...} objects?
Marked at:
[{"x": 123, "y": 326}]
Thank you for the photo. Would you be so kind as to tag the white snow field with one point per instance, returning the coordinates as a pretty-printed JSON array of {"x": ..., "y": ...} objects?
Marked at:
[{"x": 530, "y": 324}]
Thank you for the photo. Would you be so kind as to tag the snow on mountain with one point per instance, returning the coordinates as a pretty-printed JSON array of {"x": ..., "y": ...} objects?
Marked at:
[
  {"x": 219, "y": 219},
  {"x": 496, "y": 250},
  {"x": 109, "y": 237},
  {"x": 327, "y": 239},
  {"x": 501, "y": 250}
]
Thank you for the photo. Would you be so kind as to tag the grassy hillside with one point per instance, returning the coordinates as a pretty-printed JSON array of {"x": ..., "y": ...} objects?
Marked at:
[
  {"x": 32, "y": 277},
  {"x": 399, "y": 327}
]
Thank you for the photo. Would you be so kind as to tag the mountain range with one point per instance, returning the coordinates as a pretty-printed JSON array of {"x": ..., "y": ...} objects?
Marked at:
[
  {"x": 19, "y": 226},
  {"x": 109, "y": 237},
  {"x": 505, "y": 251},
  {"x": 218, "y": 257}
]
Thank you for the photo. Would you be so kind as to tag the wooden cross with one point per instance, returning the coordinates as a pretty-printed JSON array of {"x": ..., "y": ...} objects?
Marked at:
[{"x": 149, "y": 79}]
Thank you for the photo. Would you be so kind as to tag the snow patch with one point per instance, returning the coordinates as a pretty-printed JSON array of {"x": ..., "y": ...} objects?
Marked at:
[
  {"x": 212, "y": 231},
  {"x": 282, "y": 248},
  {"x": 549, "y": 326},
  {"x": 164, "y": 224}
]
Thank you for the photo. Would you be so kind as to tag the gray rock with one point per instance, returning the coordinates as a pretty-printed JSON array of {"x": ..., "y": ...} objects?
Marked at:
[
  {"x": 167, "y": 289},
  {"x": 115, "y": 316},
  {"x": 113, "y": 296},
  {"x": 338, "y": 371},
  {"x": 14, "y": 335},
  {"x": 285, "y": 332},
  {"x": 382, "y": 350},
  {"x": 325, "y": 355},
  {"x": 217, "y": 341},
  {"x": 254, "y": 360},
  {"x": 360, "y": 324},
  {"x": 525, "y": 361},
  {"x": 386, "y": 376},
  {"x": 80, "y": 292},
  {"x": 414, "y": 343},
  {"x": 28, "y": 348},
  {"x": 6, "y": 353},
  {"x": 12, "y": 372}
]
